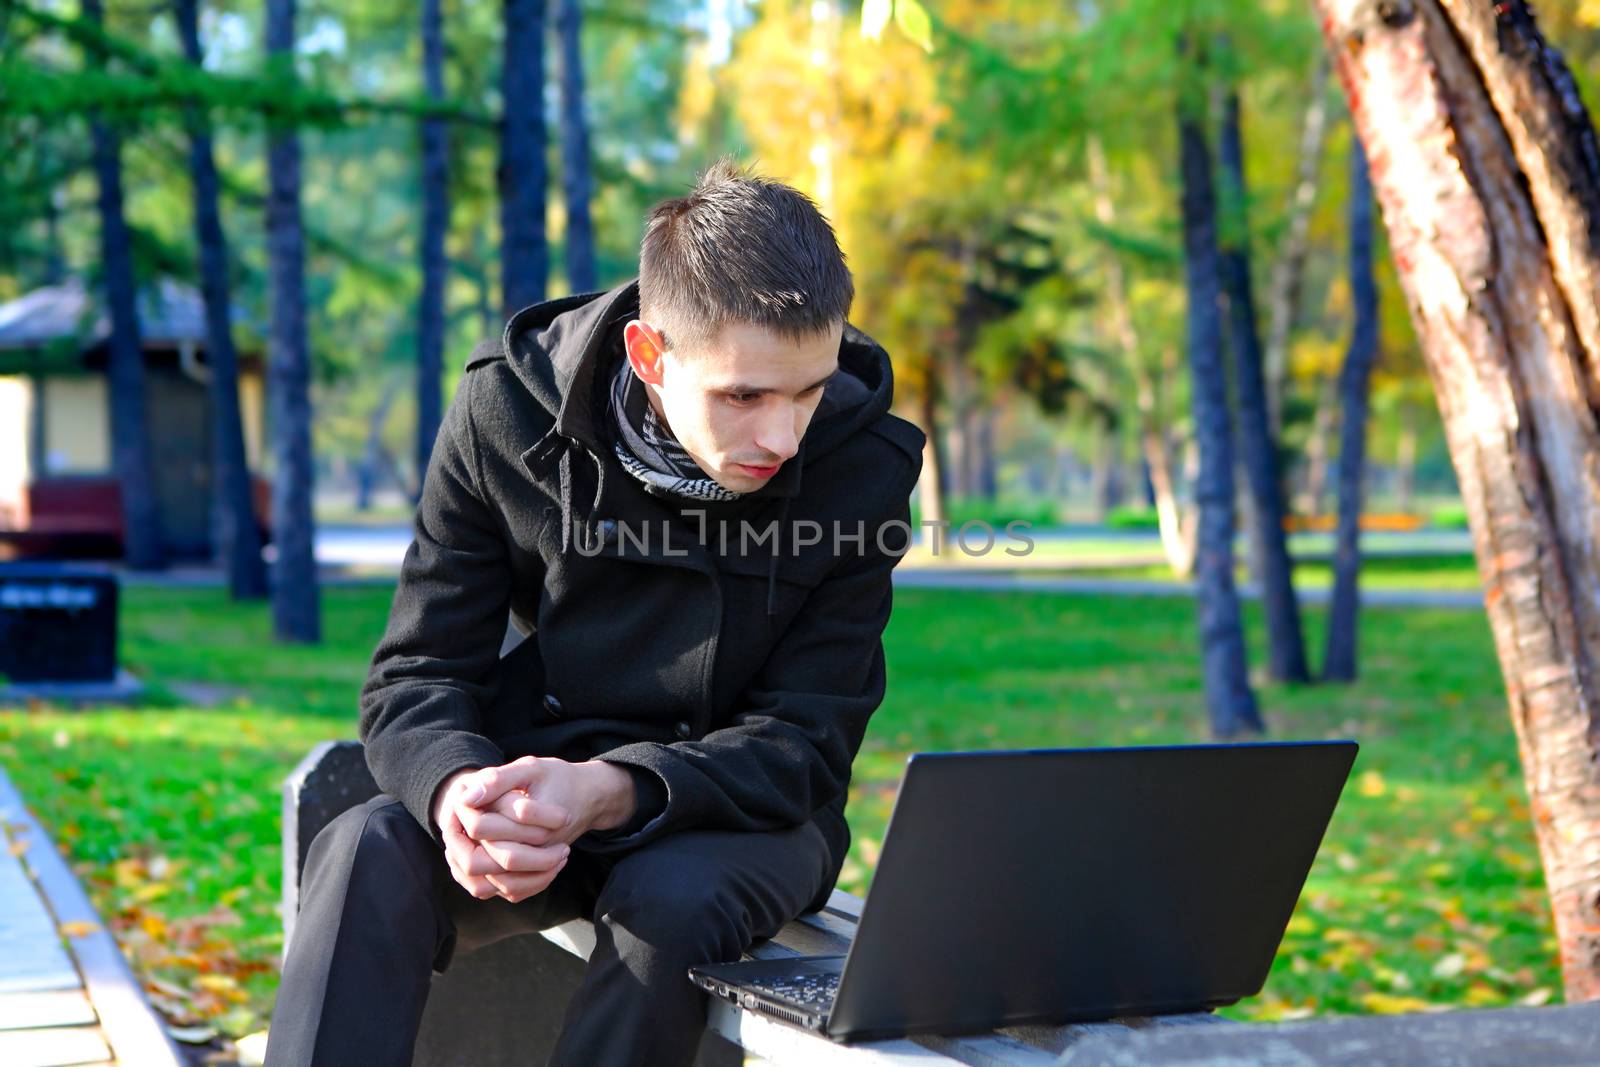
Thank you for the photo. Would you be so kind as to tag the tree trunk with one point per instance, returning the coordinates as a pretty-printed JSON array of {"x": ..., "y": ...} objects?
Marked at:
[
  {"x": 296, "y": 604},
  {"x": 435, "y": 226},
  {"x": 1178, "y": 532},
  {"x": 930, "y": 484},
  {"x": 1286, "y": 655},
  {"x": 1229, "y": 700},
  {"x": 576, "y": 179},
  {"x": 1100, "y": 476},
  {"x": 1485, "y": 164},
  {"x": 1177, "y": 537},
  {"x": 488, "y": 325},
  {"x": 1405, "y": 462},
  {"x": 984, "y": 480},
  {"x": 238, "y": 539},
  {"x": 1283, "y": 296},
  {"x": 143, "y": 541},
  {"x": 524, "y": 268},
  {"x": 55, "y": 257},
  {"x": 1315, "y": 485},
  {"x": 1339, "y": 665},
  {"x": 372, "y": 463}
]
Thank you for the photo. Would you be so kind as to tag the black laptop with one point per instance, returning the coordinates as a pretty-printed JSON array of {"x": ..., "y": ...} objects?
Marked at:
[{"x": 1060, "y": 885}]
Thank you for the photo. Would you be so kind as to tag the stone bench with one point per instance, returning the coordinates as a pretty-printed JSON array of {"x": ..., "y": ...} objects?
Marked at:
[
  {"x": 490, "y": 984},
  {"x": 1559, "y": 1036}
]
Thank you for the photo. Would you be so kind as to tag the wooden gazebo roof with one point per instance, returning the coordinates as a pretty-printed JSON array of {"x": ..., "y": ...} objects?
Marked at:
[{"x": 57, "y": 326}]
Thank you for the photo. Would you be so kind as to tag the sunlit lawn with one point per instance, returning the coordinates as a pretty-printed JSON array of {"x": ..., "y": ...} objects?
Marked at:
[{"x": 1426, "y": 892}]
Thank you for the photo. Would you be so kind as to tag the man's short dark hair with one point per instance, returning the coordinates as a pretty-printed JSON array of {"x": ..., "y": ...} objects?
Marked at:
[{"x": 740, "y": 248}]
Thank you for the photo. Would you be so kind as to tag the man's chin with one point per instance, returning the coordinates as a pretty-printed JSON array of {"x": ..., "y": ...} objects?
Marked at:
[{"x": 736, "y": 483}]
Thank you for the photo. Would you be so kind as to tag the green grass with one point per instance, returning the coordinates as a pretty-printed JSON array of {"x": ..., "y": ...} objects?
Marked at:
[{"x": 1427, "y": 890}]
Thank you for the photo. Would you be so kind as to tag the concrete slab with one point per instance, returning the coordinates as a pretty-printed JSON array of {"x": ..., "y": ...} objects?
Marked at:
[
  {"x": 53, "y": 1047},
  {"x": 32, "y": 958},
  {"x": 61, "y": 1007}
]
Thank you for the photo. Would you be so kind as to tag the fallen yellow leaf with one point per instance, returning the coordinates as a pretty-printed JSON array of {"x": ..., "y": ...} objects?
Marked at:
[{"x": 1389, "y": 1004}]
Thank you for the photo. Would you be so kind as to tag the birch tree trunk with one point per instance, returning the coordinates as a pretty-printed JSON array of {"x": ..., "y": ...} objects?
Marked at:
[
  {"x": 1485, "y": 165},
  {"x": 1177, "y": 533},
  {"x": 1405, "y": 464},
  {"x": 1315, "y": 484},
  {"x": 930, "y": 485},
  {"x": 1283, "y": 291}
]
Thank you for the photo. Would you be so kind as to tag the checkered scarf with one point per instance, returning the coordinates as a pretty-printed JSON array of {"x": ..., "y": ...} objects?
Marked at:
[{"x": 647, "y": 450}]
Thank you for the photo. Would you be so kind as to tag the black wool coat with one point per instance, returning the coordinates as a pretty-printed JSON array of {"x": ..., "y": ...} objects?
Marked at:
[{"x": 727, "y": 653}]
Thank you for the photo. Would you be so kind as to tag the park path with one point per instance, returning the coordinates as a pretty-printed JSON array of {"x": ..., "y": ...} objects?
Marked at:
[
  {"x": 67, "y": 996},
  {"x": 363, "y": 555},
  {"x": 1013, "y": 582}
]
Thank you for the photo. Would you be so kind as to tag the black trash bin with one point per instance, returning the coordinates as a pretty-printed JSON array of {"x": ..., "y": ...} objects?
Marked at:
[{"x": 58, "y": 623}]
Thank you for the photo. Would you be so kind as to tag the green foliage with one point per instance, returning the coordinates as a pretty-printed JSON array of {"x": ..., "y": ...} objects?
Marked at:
[
  {"x": 1132, "y": 518},
  {"x": 131, "y": 81},
  {"x": 996, "y": 513}
]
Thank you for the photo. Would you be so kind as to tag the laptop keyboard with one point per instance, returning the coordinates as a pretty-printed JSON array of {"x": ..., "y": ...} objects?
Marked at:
[{"x": 809, "y": 990}]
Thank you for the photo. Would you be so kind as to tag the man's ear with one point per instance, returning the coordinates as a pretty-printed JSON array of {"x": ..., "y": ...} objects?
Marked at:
[{"x": 645, "y": 348}]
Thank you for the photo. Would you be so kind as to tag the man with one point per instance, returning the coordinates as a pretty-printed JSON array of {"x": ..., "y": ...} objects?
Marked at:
[{"x": 687, "y": 495}]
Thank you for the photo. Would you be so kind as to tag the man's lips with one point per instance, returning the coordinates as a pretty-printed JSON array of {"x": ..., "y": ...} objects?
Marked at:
[{"x": 759, "y": 472}]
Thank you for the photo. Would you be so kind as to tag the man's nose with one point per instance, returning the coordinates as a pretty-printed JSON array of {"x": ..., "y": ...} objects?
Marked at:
[{"x": 781, "y": 436}]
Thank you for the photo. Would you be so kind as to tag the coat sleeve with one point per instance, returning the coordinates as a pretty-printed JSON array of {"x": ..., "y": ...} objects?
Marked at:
[
  {"x": 435, "y": 667},
  {"x": 788, "y": 751}
]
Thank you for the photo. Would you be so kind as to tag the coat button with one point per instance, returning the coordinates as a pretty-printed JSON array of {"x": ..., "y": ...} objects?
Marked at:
[
  {"x": 608, "y": 529},
  {"x": 552, "y": 705},
  {"x": 683, "y": 730}
]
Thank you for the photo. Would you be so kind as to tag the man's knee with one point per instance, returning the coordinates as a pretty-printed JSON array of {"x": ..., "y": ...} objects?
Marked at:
[
  {"x": 675, "y": 911},
  {"x": 378, "y": 837}
]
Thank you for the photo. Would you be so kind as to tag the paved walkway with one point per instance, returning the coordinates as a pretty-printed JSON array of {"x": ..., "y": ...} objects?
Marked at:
[
  {"x": 951, "y": 578},
  {"x": 66, "y": 994},
  {"x": 357, "y": 555}
]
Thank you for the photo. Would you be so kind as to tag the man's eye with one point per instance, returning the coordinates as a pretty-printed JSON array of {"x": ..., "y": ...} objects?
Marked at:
[{"x": 742, "y": 398}]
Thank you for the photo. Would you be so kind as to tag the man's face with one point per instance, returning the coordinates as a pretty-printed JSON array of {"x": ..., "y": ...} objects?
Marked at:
[{"x": 740, "y": 405}]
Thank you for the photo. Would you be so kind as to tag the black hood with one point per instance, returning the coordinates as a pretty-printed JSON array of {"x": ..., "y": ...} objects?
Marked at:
[{"x": 564, "y": 350}]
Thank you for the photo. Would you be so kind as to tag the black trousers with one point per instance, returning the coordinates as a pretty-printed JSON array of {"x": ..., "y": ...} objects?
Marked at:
[{"x": 379, "y": 911}]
